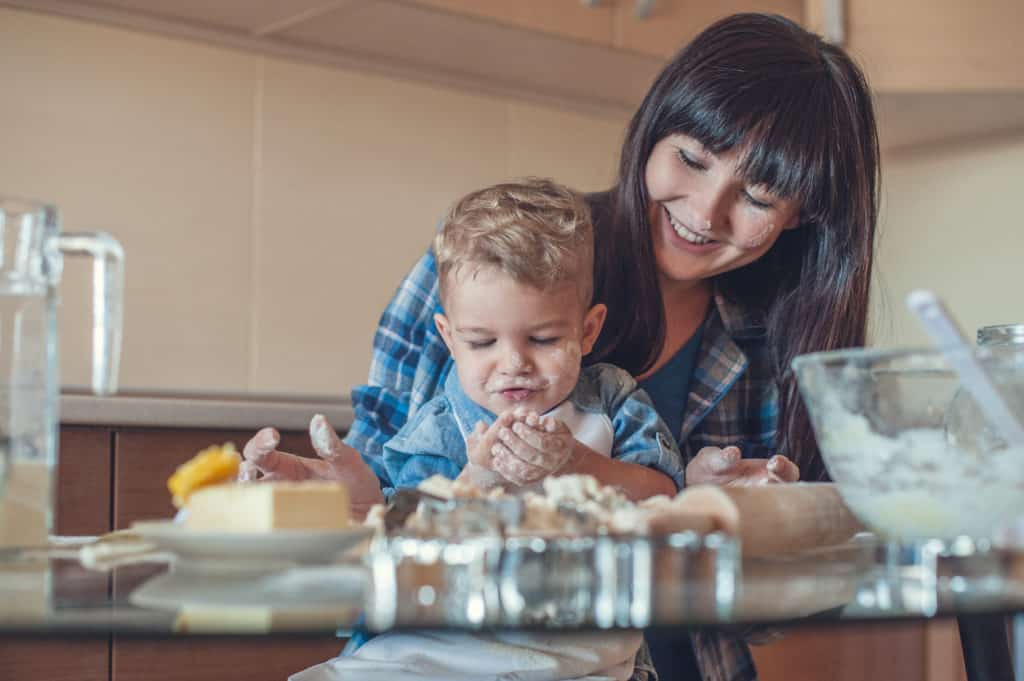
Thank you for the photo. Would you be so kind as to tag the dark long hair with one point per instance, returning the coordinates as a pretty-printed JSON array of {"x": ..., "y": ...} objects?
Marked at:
[{"x": 800, "y": 112}]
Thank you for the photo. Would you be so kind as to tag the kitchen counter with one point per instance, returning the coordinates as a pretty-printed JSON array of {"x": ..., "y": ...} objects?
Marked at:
[{"x": 210, "y": 410}]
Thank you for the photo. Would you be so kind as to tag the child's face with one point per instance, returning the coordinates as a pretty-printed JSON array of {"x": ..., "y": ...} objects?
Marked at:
[{"x": 514, "y": 345}]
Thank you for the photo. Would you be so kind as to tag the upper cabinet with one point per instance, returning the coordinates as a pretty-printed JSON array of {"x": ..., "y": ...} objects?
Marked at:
[
  {"x": 668, "y": 25},
  {"x": 940, "y": 69},
  {"x": 567, "y": 18},
  {"x": 657, "y": 28},
  {"x": 934, "y": 45}
]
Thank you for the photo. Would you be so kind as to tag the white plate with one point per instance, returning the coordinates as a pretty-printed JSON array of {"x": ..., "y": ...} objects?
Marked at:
[
  {"x": 305, "y": 598},
  {"x": 277, "y": 547},
  {"x": 302, "y": 587}
]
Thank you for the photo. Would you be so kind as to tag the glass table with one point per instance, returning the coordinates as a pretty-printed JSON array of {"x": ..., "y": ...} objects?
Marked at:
[{"x": 49, "y": 591}]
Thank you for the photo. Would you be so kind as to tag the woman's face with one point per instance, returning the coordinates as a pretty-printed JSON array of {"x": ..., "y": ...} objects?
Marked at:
[{"x": 705, "y": 218}]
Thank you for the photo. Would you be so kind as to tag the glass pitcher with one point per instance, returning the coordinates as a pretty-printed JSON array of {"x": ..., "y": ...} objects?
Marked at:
[{"x": 31, "y": 261}]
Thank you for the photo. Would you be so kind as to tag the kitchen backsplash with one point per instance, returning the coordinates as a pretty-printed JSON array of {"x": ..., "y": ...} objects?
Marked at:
[{"x": 268, "y": 208}]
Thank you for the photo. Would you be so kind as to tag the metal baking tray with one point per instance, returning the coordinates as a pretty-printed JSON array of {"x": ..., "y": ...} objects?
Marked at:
[{"x": 465, "y": 567}]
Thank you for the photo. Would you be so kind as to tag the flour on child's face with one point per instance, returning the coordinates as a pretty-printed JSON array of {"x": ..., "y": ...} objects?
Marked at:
[{"x": 514, "y": 345}]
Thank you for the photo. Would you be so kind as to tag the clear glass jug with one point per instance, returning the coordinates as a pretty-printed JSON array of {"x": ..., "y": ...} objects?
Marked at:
[{"x": 32, "y": 248}]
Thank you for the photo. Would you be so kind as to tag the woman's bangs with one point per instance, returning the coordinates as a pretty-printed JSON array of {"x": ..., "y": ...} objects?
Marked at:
[
  {"x": 781, "y": 127},
  {"x": 787, "y": 150}
]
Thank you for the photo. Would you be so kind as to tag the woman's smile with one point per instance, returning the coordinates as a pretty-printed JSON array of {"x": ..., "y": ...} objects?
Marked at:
[{"x": 691, "y": 239}]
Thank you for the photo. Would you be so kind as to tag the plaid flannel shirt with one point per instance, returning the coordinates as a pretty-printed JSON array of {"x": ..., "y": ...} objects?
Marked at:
[{"x": 733, "y": 401}]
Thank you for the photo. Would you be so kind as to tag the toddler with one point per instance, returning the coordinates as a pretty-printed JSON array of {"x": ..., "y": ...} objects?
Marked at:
[{"x": 515, "y": 270}]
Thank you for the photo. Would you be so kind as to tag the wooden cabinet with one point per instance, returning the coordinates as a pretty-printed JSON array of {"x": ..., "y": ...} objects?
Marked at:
[
  {"x": 108, "y": 478},
  {"x": 673, "y": 23},
  {"x": 659, "y": 32},
  {"x": 566, "y": 18},
  {"x": 946, "y": 46},
  {"x": 84, "y": 498},
  {"x": 886, "y": 651},
  {"x": 217, "y": 659},
  {"x": 142, "y": 461},
  {"x": 33, "y": 659},
  {"x": 83, "y": 484}
]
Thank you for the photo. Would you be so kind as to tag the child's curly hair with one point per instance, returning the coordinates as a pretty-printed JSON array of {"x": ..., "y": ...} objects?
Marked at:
[{"x": 535, "y": 230}]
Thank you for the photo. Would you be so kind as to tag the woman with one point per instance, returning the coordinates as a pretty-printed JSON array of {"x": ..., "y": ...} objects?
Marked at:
[{"x": 738, "y": 235}]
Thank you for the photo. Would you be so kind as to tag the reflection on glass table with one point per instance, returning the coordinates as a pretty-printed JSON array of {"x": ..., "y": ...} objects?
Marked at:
[{"x": 862, "y": 580}]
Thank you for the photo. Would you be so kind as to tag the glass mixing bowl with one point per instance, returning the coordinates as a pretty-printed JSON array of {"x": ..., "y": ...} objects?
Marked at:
[{"x": 912, "y": 455}]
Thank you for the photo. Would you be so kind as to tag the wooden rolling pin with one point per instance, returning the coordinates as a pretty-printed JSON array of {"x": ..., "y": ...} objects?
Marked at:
[{"x": 768, "y": 519}]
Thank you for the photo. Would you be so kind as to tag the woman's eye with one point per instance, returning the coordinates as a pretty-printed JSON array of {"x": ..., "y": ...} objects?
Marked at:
[
  {"x": 480, "y": 344},
  {"x": 690, "y": 161},
  {"x": 763, "y": 204},
  {"x": 545, "y": 341}
]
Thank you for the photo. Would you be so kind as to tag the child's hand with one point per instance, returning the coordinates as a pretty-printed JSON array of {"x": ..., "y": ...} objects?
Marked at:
[
  {"x": 531, "y": 448},
  {"x": 481, "y": 441}
]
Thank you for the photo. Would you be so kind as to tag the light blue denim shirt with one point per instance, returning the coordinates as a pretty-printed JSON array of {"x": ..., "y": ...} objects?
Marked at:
[{"x": 433, "y": 441}]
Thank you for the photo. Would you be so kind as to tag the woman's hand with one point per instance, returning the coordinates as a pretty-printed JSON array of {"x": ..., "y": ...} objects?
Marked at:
[
  {"x": 717, "y": 466},
  {"x": 338, "y": 461}
]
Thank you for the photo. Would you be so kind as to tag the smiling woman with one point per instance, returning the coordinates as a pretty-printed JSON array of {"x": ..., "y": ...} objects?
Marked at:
[{"x": 747, "y": 183}]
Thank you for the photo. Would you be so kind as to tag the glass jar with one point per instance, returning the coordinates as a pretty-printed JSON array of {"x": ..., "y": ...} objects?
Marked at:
[
  {"x": 1001, "y": 334},
  {"x": 966, "y": 426},
  {"x": 1000, "y": 337}
]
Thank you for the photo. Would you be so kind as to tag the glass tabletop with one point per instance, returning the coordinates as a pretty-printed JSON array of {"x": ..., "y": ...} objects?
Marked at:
[{"x": 52, "y": 592}]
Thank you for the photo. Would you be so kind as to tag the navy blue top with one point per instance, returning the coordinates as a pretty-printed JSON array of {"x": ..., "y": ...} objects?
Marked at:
[{"x": 668, "y": 387}]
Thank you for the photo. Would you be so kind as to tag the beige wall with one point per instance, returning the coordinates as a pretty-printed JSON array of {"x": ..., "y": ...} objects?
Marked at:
[
  {"x": 952, "y": 221},
  {"x": 267, "y": 208}
]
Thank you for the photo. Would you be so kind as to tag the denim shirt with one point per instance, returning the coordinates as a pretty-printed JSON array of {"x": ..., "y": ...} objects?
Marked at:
[{"x": 433, "y": 442}]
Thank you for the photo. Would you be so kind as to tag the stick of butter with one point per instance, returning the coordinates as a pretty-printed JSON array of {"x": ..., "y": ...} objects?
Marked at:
[{"x": 268, "y": 506}]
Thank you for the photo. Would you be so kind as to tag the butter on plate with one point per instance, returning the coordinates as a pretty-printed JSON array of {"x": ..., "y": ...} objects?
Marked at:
[{"x": 265, "y": 507}]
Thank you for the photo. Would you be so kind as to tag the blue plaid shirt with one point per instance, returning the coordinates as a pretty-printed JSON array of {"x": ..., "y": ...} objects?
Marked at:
[
  {"x": 434, "y": 441},
  {"x": 733, "y": 400}
]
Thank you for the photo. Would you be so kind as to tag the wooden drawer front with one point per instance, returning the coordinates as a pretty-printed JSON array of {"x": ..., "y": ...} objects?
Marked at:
[
  {"x": 44, "y": 659},
  {"x": 83, "y": 481},
  {"x": 144, "y": 459},
  {"x": 83, "y": 506},
  {"x": 217, "y": 659},
  {"x": 863, "y": 652}
]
